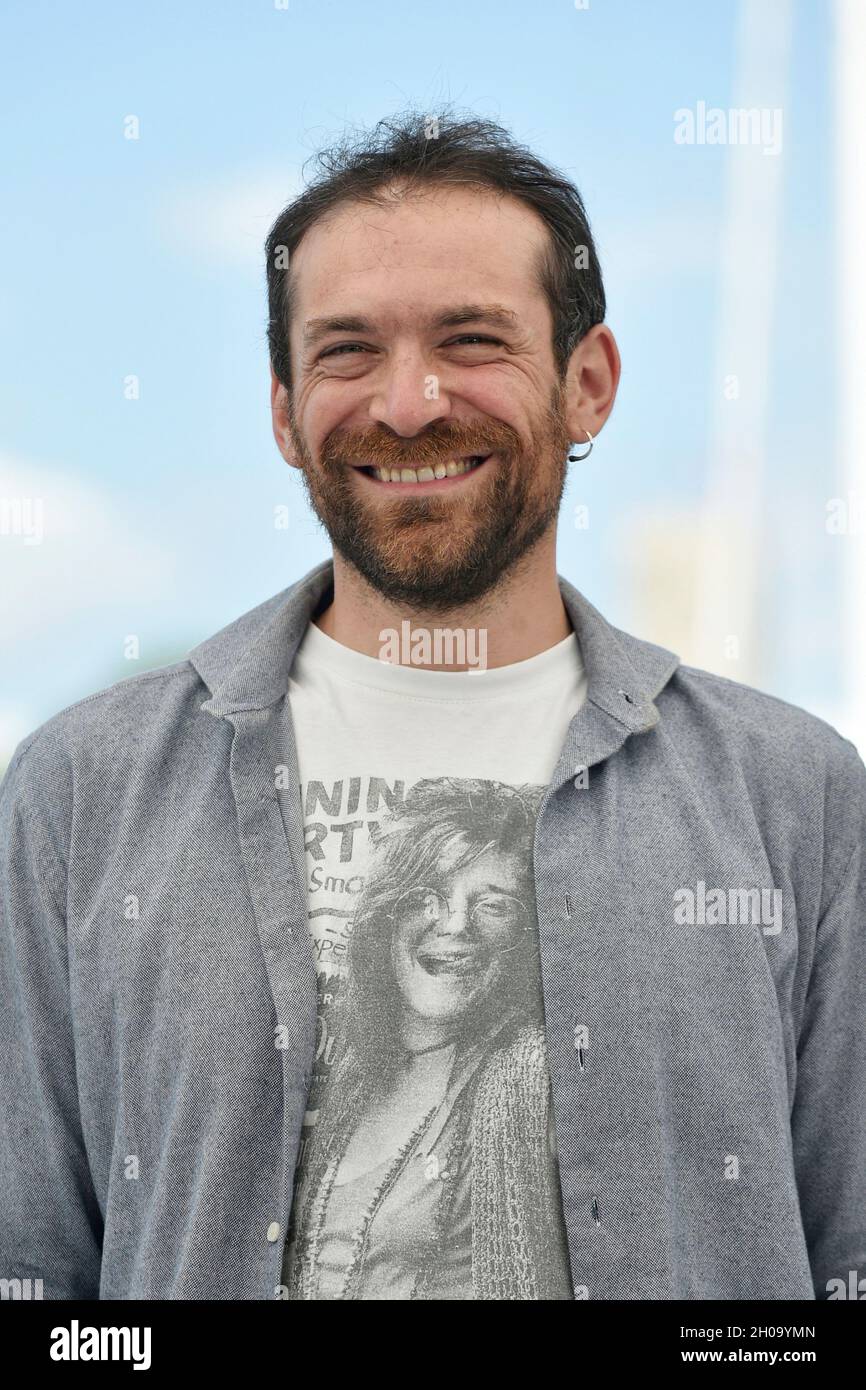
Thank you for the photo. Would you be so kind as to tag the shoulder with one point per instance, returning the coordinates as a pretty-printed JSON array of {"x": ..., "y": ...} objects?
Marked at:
[
  {"x": 715, "y": 725},
  {"x": 796, "y": 769},
  {"x": 94, "y": 745},
  {"x": 758, "y": 727},
  {"x": 136, "y": 716},
  {"x": 752, "y": 716},
  {"x": 116, "y": 715}
]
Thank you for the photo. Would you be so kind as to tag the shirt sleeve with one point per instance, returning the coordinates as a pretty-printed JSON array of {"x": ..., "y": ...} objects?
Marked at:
[
  {"x": 50, "y": 1222},
  {"x": 829, "y": 1114}
]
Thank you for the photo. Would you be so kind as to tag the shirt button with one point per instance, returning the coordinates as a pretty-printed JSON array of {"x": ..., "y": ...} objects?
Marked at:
[{"x": 274, "y": 1231}]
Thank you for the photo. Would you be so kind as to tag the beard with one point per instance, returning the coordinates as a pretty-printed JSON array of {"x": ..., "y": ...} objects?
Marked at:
[{"x": 436, "y": 553}]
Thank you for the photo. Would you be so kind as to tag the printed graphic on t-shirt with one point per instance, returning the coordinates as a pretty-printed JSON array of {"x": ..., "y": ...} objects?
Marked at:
[{"x": 427, "y": 1166}]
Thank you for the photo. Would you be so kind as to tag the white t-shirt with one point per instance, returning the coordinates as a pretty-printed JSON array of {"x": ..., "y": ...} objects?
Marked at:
[{"x": 427, "y": 1166}]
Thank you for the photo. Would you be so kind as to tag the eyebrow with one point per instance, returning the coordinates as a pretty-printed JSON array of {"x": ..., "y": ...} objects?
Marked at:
[{"x": 495, "y": 315}]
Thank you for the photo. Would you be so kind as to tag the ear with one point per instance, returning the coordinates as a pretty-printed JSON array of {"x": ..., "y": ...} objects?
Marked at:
[
  {"x": 280, "y": 421},
  {"x": 591, "y": 382}
]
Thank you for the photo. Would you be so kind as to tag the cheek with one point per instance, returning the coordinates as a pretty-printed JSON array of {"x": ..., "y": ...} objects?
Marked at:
[
  {"x": 402, "y": 948},
  {"x": 490, "y": 392},
  {"x": 309, "y": 415},
  {"x": 324, "y": 406}
]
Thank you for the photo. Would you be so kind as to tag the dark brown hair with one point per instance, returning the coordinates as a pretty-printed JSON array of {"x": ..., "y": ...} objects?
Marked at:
[{"x": 415, "y": 149}]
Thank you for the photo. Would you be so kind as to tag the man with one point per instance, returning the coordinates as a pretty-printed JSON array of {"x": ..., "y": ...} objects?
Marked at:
[{"x": 423, "y": 935}]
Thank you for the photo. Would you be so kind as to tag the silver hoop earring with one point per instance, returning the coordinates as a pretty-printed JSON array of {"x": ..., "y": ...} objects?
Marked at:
[{"x": 578, "y": 458}]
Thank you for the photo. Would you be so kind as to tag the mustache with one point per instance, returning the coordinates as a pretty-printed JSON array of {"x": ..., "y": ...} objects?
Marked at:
[{"x": 454, "y": 439}]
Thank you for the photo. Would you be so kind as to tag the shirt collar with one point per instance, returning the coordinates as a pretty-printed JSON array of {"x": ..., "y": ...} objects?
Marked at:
[{"x": 246, "y": 665}]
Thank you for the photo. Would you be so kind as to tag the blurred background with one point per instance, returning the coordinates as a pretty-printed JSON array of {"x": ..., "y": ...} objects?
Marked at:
[{"x": 719, "y": 148}]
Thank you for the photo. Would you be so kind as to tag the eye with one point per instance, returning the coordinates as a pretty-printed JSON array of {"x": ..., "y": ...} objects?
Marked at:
[
  {"x": 465, "y": 339},
  {"x": 341, "y": 348},
  {"x": 494, "y": 907},
  {"x": 474, "y": 338}
]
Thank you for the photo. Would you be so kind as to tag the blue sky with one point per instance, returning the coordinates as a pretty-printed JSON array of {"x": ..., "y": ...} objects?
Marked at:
[{"x": 144, "y": 257}]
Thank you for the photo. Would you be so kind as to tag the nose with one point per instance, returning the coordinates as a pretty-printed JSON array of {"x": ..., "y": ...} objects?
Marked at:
[
  {"x": 458, "y": 918},
  {"x": 408, "y": 396}
]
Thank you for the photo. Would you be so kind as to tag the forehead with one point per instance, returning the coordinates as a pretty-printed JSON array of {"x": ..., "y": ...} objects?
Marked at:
[
  {"x": 417, "y": 251},
  {"x": 496, "y": 865}
]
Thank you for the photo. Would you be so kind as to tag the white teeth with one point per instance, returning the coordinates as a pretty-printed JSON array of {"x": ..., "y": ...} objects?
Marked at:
[{"x": 452, "y": 469}]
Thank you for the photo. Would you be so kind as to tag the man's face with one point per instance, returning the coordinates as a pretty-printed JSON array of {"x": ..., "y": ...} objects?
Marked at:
[{"x": 382, "y": 381}]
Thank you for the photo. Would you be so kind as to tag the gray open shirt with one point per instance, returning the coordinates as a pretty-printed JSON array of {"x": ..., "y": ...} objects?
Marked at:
[{"x": 701, "y": 895}]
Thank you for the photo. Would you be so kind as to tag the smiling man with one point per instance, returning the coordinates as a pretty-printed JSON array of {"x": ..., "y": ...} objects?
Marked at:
[
  {"x": 330, "y": 976},
  {"x": 432, "y": 423}
]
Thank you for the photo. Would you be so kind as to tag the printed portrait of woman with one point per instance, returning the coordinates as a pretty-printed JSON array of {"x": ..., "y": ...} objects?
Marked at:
[{"x": 430, "y": 1169}]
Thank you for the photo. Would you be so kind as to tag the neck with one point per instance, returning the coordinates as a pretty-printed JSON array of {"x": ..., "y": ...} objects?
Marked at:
[{"x": 521, "y": 617}]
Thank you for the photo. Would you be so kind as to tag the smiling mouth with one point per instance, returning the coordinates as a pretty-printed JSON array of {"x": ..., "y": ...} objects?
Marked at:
[
  {"x": 429, "y": 473},
  {"x": 457, "y": 963}
]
